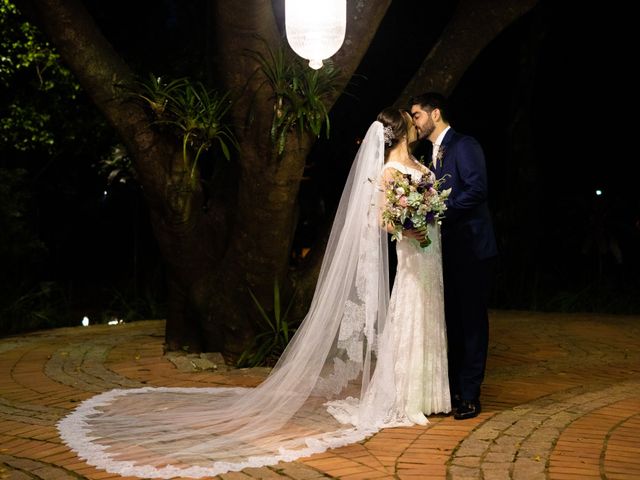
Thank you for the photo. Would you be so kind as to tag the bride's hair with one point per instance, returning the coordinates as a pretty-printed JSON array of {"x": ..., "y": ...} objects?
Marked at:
[{"x": 397, "y": 124}]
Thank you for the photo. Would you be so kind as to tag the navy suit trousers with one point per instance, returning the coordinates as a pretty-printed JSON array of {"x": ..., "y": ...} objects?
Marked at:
[{"x": 466, "y": 291}]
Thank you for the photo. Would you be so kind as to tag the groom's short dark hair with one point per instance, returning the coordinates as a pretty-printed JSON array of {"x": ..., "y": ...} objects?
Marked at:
[{"x": 430, "y": 101}]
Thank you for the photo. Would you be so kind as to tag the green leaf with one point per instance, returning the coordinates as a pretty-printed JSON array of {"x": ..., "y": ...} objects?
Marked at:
[
  {"x": 225, "y": 149},
  {"x": 261, "y": 310},
  {"x": 299, "y": 93},
  {"x": 272, "y": 341}
]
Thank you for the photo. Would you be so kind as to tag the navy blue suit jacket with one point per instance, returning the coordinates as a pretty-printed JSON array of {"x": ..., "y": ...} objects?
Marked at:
[{"x": 467, "y": 230}]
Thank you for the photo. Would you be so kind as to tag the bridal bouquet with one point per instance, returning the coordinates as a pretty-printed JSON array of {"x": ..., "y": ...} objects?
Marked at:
[{"x": 413, "y": 204}]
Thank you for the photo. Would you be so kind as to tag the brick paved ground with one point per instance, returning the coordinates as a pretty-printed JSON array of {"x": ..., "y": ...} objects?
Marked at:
[{"x": 561, "y": 401}]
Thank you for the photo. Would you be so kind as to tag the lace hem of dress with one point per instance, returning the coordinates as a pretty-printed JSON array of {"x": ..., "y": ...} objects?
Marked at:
[{"x": 75, "y": 433}]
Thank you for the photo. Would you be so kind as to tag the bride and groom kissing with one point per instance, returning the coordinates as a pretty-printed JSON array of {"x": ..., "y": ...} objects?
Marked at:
[
  {"x": 437, "y": 319},
  {"x": 363, "y": 358}
]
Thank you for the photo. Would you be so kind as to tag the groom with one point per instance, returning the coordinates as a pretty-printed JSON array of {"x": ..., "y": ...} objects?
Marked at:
[{"x": 468, "y": 249}]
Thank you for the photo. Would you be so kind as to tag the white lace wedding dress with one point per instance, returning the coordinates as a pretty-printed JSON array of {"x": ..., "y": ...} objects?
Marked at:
[
  {"x": 348, "y": 372},
  {"x": 414, "y": 340},
  {"x": 415, "y": 321}
]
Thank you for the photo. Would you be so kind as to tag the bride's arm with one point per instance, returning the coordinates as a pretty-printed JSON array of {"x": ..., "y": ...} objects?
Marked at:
[{"x": 387, "y": 176}]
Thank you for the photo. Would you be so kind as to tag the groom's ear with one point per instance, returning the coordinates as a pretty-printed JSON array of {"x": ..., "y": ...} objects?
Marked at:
[{"x": 435, "y": 115}]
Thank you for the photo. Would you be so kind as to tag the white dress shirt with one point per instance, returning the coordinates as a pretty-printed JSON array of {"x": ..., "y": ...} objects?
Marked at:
[{"x": 436, "y": 145}]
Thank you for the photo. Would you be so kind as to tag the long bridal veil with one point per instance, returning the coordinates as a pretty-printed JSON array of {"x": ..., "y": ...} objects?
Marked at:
[{"x": 318, "y": 396}]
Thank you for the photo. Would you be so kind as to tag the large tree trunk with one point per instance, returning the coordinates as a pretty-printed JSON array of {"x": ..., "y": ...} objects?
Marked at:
[
  {"x": 243, "y": 241},
  {"x": 267, "y": 192}
]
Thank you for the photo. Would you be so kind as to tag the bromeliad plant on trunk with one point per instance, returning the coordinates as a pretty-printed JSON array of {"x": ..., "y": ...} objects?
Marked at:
[
  {"x": 299, "y": 93},
  {"x": 195, "y": 114}
]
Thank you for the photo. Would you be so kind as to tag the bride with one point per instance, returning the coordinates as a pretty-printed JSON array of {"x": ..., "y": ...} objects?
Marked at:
[{"x": 359, "y": 362}]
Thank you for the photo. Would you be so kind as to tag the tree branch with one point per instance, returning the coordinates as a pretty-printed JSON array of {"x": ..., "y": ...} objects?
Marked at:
[
  {"x": 243, "y": 26},
  {"x": 473, "y": 26},
  {"x": 102, "y": 72}
]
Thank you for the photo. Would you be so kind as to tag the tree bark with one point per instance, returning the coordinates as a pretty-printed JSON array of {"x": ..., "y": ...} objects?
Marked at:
[
  {"x": 475, "y": 23},
  {"x": 268, "y": 188}
]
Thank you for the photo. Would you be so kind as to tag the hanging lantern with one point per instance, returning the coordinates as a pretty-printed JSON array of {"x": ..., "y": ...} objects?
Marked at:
[{"x": 315, "y": 28}]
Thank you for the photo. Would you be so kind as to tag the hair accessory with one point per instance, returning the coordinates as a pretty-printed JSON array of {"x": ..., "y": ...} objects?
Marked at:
[{"x": 388, "y": 135}]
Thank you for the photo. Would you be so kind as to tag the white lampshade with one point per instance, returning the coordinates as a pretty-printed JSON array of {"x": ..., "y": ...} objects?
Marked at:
[{"x": 315, "y": 28}]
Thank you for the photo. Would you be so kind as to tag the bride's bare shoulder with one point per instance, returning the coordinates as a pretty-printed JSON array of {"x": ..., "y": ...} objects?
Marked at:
[{"x": 392, "y": 166}]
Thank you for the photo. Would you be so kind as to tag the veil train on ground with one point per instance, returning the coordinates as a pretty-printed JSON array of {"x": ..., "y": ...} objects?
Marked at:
[{"x": 317, "y": 396}]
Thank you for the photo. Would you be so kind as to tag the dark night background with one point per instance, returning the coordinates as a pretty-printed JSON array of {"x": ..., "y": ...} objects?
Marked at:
[{"x": 544, "y": 100}]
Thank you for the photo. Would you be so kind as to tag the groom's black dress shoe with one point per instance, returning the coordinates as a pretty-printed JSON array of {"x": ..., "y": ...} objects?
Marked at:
[{"x": 467, "y": 409}]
